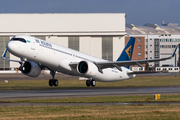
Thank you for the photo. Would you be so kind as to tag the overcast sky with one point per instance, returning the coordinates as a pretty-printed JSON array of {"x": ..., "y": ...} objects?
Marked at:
[{"x": 138, "y": 12}]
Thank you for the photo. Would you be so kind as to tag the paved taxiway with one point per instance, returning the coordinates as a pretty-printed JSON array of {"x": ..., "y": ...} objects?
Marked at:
[
  {"x": 54, "y": 93},
  {"x": 63, "y": 93}
]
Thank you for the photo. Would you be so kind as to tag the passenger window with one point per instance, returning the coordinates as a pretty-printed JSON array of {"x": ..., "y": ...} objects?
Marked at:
[{"x": 19, "y": 39}]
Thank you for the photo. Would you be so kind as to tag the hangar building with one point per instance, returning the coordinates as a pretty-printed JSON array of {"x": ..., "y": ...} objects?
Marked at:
[
  {"x": 99, "y": 34},
  {"x": 160, "y": 42}
]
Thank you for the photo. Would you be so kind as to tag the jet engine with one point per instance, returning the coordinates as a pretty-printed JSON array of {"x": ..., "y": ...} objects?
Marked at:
[
  {"x": 31, "y": 69},
  {"x": 87, "y": 68}
]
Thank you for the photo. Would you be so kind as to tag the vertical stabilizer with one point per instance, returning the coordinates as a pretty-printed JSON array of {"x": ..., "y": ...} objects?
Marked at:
[{"x": 128, "y": 51}]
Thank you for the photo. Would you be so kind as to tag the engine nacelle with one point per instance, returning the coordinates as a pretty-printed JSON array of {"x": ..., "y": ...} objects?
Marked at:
[
  {"x": 87, "y": 68},
  {"x": 31, "y": 69}
]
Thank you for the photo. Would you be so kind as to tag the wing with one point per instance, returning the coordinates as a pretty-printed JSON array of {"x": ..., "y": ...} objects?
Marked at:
[{"x": 117, "y": 64}]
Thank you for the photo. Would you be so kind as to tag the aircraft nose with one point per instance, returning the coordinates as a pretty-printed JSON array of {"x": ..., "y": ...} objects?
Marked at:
[{"x": 10, "y": 46}]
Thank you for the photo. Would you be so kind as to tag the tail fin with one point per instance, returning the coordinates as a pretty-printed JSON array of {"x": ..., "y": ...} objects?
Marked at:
[{"x": 128, "y": 51}]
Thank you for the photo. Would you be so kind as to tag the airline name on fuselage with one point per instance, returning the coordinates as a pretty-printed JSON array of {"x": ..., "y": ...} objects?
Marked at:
[
  {"x": 48, "y": 45},
  {"x": 44, "y": 43}
]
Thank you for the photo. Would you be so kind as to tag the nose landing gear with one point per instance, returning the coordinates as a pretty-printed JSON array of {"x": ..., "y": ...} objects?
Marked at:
[{"x": 53, "y": 81}]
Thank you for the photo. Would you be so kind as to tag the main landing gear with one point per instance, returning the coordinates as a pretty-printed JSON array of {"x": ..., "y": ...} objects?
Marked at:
[
  {"x": 53, "y": 81},
  {"x": 90, "y": 83}
]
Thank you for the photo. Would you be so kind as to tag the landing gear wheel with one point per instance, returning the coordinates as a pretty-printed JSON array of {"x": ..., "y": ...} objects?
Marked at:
[
  {"x": 93, "y": 83},
  {"x": 55, "y": 82},
  {"x": 88, "y": 83},
  {"x": 51, "y": 82}
]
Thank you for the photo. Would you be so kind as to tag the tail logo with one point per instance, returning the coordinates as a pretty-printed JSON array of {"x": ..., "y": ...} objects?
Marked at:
[{"x": 128, "y": 51}]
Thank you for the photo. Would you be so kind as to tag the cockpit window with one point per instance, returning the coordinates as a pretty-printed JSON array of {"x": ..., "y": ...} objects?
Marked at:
[{"x": 19, "y": 39}]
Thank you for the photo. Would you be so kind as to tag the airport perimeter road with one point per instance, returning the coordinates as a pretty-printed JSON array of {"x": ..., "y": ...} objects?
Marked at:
[{"x": 54, "y": 93}]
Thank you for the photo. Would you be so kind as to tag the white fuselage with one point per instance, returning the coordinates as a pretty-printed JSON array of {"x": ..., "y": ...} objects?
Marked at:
[{"x": 59, "y": 58}]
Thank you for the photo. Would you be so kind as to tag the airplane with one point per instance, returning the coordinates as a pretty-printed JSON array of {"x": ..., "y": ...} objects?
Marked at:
[{"x": 36, "y": 54}]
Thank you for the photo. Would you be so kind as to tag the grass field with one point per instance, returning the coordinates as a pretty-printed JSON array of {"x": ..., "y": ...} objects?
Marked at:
[
  {"x": 74, "y": 83},
  {"x": 150, "y": 112},
  {"x": 102, "y": 99},
  {"x": 109, "y": 112}
]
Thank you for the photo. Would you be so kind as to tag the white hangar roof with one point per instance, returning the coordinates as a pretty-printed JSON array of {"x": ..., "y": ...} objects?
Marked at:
[{"x": 152, "y": 29}]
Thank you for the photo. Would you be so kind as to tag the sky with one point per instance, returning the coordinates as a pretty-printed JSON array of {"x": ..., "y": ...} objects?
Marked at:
[{"x": 138, "y": 12}]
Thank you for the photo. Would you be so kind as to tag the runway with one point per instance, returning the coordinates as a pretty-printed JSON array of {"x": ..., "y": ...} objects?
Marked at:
[
  {"x": 47, "y": 76},
  {"x": 63, "y": 93},
  {"x": 81, "y": 92}
]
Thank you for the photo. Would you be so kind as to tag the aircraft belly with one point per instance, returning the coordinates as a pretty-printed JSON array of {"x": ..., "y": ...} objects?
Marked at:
[{"x": 111, "y": 75}]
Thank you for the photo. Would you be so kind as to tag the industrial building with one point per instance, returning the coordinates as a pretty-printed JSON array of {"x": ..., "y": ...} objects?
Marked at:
[
  {"x": 98, "y": 34},
  {"x": 103, "y": 35},
  {"x": 160, "y": 41}
]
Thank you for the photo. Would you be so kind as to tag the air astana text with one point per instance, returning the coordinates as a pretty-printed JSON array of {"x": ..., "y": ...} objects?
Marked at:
[{"x": 44, "y": 43}]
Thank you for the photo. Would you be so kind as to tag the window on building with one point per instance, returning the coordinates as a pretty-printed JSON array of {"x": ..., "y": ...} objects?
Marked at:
[
  {"x": 175, "y": 40},
  {"x": 156, "y": 55},
  {"x": 73, "y": 43},
  {"x": 151, "y": 45},
  {"x": 107, "y": 48},
  {"x": 139, "y": 46},
  {"x": 150, "y": 51},
  {"x": 173, "y": 46},
  {"x": 139, "y": 53},
  {"x": 139, "y": 39}
]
